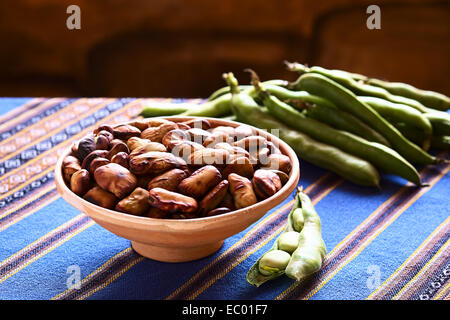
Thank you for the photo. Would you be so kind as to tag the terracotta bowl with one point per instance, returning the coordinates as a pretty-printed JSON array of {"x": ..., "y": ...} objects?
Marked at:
[{"x": 172, "y": 240}]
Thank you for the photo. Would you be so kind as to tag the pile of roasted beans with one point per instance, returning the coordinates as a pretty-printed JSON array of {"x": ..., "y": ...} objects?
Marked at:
[{"x": 158, "y": 168}]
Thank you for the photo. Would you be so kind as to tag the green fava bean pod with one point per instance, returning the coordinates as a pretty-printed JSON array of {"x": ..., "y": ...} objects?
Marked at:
[
  {"x": 311, "y": 250},
  {"x": 428, "y": 98},
  {"x": 286, "y": 94},
  {"x": 342, "y": 120},
  {"x": 416, "y": 136},
  {"x": 402, "y": 113},
  {"x": 224, "y": 90},
  {"x": 350, "y": 167},
  {"x": 216, "y": 108},
  {"x": 271, "y": 265},
  {"x": 440, "y": 122},
  {"x": 163, "y": 110},
  {"x": 347, "y": 100}
]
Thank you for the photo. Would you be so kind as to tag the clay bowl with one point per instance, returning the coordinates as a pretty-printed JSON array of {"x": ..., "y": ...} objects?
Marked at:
[{"x": 171, "y": 240}]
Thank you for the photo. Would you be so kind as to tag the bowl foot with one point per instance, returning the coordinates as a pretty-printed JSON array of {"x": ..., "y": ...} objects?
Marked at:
[{"x": 175, "y": 254}]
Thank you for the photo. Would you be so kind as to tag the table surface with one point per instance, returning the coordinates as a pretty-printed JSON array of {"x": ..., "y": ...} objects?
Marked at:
[{"x": 389, "y": 244}]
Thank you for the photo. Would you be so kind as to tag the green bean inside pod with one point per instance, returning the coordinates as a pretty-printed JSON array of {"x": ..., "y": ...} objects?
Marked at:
[{"x": 273, "y": 263}]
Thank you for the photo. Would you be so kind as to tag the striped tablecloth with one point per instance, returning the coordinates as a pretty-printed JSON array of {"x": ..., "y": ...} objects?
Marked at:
[{"x": 389, "y": 244}]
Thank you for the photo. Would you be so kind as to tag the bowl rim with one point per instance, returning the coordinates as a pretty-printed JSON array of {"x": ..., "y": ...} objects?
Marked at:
[{"x": 294, "y": 176}]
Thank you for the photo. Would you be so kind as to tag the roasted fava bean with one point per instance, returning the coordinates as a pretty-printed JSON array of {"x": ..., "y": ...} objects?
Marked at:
[
  {"x": 108, "y": 135},
  {"x": 198, "y": 135},
  {"x": 212, "y": 199},
  {"x": 155, "y": 162},
  {"x": 183, "y": 126},
  {"x": 121, "y": 158},
  {"x": 284, "y": 177},
  {"x": 125, "y": 132},
  {"x": 91, "y": 156},
  {"x": 274, "y": 149},
  {"x": 80, "y": 182},
  {"x": 200, "y": 182},
  {"x": 262, "y": 156},
  {"x": 101, "y": 142},
  {"x": 224, "y": 129},
  {"x": 148, "y": 147},
  {"x": 136, "y": 203},
  {"x": 140, "y": 124},
  {"x": 173, "y": 137},
  {"x": 235, "y": 151},
  {"x": 115, "y": 179},
  {"x": 242, "y": 191},
  {"x": 97, "y": 163},
  {"x": 156, "y": 134},
  {"x": 243, "y": 131},
  {"x": 279, "y": 162},
  {"x": 86, "y": 146},
  {"x": 70, "y": 165},
  {"x": 168, "y": 180},
  {"x": 103, "y": 127},
  {"x": 198, "y": 123},
  {"x": 266, "y": 183},
  {"x": 118, "y": 146},
  {"x": 208, "y": 156},
  {"x": 239, "y": 165},
  {"x": 171, "y": 201},
  {"x": 152, "y": 122},
  {"x": 185, "y": 149},
  {"x": 101, "y": 198},
  {"x": 252, "y": 143},
  {"x": 218, "y": 137},
  {"x": 135, "y": 142}
]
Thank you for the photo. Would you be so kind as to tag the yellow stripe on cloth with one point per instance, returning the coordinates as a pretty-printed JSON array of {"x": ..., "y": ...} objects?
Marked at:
[
  {"x": 396, "y": 277},
  {"x": 30, "y": 113},
  {"x": 49, "y": 126},
  {"x": 30, "y": 257},
  {"x": 16, "y": 112},
  {"x": 29, "y": 211},
  {"x": 80, "y": 294},
  {"x": 424, "y": 274},
  {"x": 443, "y": 292}
]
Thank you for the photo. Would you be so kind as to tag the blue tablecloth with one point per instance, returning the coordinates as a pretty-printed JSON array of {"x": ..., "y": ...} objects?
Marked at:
[{"x": 389, "y": 244}]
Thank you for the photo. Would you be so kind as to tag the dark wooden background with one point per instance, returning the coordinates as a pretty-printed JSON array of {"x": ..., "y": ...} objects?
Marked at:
[{"x": 175, "y": 48}]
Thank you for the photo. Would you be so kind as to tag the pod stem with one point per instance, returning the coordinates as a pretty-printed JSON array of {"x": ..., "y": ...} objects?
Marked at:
[
  {"x": 256, "y": 83},
  {"x": 231, "y": 80},
  {"x": 296, "y": 67}
]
